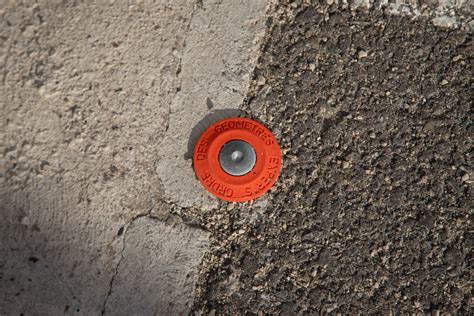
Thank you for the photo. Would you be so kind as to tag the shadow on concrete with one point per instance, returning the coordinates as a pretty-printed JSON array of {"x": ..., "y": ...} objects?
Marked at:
[
  {"x": 59, "y": 257},
  {"x": 205, "y": 122}
]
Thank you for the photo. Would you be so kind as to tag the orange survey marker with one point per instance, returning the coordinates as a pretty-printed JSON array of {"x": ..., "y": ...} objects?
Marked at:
[{"x": 237, "y": 159}]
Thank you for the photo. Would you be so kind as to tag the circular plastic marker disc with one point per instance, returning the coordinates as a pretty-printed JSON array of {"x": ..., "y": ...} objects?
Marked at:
[{"x": 237, "y": 159}]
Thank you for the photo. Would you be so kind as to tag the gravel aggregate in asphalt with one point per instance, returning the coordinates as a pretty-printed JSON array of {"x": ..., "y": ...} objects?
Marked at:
[{"x": 372, "y": 210}]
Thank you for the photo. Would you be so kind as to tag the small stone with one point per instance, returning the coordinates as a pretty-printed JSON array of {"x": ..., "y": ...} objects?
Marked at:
[
  {"x": 444, "y": 82},
  {"x": 424, "y": 180},
  {"x": 465, "y": 177},
  {"x": 25, "y": 221},
  {"x": 362, "y": 54},
  {"x": 261, "y": 81}
]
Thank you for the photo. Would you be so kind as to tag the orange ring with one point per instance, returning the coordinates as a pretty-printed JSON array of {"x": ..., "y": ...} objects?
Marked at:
[{"x": 237, "y": 188}]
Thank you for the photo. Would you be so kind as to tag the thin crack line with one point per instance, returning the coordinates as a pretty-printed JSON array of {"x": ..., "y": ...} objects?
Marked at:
[
  {"x": 149, "y": 215},
  {"x": 114, "y": 276}
]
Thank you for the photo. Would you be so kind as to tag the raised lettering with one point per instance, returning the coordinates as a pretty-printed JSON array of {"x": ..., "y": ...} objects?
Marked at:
[
  {"x": 248, "y": 191},
  {"x": 273, "y": 160}
]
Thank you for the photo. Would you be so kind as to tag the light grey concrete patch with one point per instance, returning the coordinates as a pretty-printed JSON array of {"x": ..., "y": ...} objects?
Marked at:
[
  {"x": 85, "y": 94},
  {"x": 444, "y": 13},
  {"x": 219, "y": 55},
  {"x": 158, "y": 271}
]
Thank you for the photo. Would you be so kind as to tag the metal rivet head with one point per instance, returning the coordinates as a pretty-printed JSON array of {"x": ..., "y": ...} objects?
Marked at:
[{"x": 237, "y": 157}]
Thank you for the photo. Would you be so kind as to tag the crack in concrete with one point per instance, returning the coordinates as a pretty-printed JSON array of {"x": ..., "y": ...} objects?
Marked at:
[
  {"x": 127, "y": 227},
  {"x": 112, "y": 280},
  {"x": 175, "y": 214},
  {"x": 114, "y": 276}
]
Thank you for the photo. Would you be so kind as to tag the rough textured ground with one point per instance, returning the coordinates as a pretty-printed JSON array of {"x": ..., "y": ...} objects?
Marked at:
[
  {"x": 372, "y": 209},
  {"x": 101, "y": 213},
  {"x": 91, "y": 101}
]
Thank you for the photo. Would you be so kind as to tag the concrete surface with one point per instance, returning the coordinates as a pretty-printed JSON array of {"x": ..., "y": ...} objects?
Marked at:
[
  {"x": 101, "y": 213},
  {"x": 162, "y": 280},
  {"x": 218, "y": 58},
  {"x": 90, "y": 95}
]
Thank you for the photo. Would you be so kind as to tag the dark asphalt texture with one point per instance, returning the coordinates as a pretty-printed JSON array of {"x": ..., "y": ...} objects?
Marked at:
[{"x": 372, "y": 210}]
